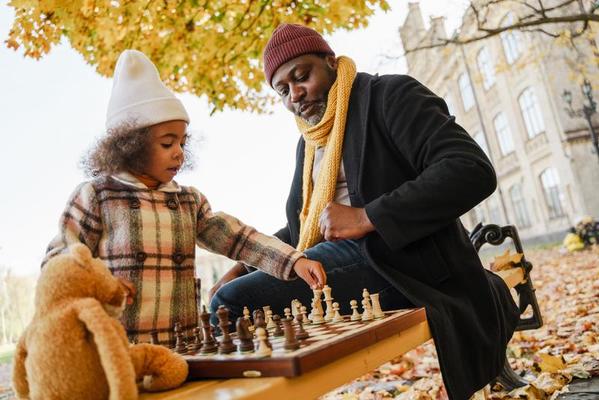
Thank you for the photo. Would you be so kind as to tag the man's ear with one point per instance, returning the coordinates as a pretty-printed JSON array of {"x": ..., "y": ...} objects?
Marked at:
[{"x": 332, "y": 62}]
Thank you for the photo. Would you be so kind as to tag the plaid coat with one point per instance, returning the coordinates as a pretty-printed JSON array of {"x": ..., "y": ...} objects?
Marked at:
[{"x": 148, "y": 237}]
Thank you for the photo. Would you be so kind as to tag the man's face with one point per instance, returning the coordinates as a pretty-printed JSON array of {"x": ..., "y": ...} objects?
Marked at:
[{"x": 303, "y": 84}]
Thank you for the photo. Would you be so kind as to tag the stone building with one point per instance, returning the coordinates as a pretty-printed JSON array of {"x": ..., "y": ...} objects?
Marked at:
[{"x": 506, "y": 92}]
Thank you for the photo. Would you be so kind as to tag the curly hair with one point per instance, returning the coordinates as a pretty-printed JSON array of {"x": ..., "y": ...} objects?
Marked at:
[{"x": 123, "y": 148}]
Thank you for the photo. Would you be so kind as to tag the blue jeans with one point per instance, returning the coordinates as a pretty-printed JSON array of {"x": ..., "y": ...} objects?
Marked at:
[{"x": 348, "y": 273}]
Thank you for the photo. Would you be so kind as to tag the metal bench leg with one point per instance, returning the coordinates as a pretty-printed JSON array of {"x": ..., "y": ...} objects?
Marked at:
[{"x": 508, "y": 379}]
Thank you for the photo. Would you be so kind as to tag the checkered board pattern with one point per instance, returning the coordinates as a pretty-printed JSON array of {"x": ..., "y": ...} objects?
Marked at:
[{"x": 327, "y": 342}]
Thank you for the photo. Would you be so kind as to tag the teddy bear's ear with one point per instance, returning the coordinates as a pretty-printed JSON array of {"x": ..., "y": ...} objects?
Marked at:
[{"x": 81, "y": 253}]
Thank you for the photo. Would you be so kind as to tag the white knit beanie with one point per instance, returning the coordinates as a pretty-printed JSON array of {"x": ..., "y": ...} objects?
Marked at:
[{"x": 139, "y": 96}]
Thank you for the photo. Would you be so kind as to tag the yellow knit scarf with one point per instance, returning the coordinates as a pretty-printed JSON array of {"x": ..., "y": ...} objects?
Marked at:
[{"x": 328, "y": 132}]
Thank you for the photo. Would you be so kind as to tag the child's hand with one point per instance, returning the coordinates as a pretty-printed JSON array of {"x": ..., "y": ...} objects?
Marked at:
[{"x": 311, "y": 272}]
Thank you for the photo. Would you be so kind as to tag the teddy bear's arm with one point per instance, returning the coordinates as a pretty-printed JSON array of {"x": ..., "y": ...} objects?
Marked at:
[
  {"x": 114, "y": 355},
  {"x": 19, "y": 374},
  {"x": 160, "y": 368}
]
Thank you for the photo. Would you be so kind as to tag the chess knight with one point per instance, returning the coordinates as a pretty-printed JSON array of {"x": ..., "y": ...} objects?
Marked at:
[{"x": 75, "y": 348}]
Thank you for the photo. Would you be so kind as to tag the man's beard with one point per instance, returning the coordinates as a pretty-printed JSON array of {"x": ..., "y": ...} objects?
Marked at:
[{"x": 316, "y": 117}]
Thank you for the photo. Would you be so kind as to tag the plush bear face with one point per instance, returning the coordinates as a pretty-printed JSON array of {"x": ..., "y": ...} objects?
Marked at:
[{"x": 77, "y": 274}]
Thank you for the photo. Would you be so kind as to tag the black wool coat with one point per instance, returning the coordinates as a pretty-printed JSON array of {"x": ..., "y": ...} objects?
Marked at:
[{"x": 415, "y": 170}]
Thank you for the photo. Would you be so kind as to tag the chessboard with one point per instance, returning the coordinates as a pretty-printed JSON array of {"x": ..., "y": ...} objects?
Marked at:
[{"x": 326, "y": 343}]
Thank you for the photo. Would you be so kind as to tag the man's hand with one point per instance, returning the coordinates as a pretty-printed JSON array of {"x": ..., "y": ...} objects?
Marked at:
[
  {"x": 311, "y": 272},
  {"x": 235, "y": 272},
  {"x": 339, "y": 222}
]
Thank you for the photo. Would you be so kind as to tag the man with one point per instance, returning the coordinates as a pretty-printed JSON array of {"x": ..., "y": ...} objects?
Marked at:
[{"x": 382, "y": 175}]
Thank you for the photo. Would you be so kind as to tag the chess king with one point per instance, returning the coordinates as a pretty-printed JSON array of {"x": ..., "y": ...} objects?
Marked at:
[{"x": 382, "y": 175}]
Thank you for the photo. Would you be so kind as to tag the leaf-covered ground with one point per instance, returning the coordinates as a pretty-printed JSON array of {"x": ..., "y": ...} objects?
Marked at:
[{"x": 567, "y": 346}]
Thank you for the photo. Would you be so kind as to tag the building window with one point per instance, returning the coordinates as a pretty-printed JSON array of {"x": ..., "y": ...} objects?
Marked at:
[
  {"x": 511, "y": 40},
  {"x": 504, "y": 134},
  {"x": 494, "y": 211},
  {"x": 550, "y": 183},
  {"x": 449, "y": 103},
  {"x": 519, "y": 206},
  {"x": 479, "y": 138},
  {"x": 531, "y": 112},
  {"x": 479, "y": 214},
  {"x": 466, "y": 91},
  {"x": 487, "y": 70}
]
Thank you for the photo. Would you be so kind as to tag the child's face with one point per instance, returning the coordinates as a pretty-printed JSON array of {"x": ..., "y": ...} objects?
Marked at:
[{"x": 166, "y": 150}]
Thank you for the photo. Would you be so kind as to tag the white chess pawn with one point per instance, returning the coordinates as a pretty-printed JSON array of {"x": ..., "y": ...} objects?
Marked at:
[
  {"x": 336, "y": 317},
  {"x": 377, "y": 311},
  {"x": 287, "y": 312},
  {"x": 304, "y": 311},
  {"x": 263, "y": 349},
  {"x": 246, "y": 315},
  {"x": 367, "y": 314},
  {"x": 355, "y": 315},
  {"x": 270, "y": 324}
]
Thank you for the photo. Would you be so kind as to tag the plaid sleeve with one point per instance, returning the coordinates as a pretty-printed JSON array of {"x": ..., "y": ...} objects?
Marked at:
[
  {"x": 223, "y": 234},
  {"x": 80, "y": 222}
]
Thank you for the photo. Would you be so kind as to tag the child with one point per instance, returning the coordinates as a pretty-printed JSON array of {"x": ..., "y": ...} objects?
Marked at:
[{"x": 145, "y": 226}]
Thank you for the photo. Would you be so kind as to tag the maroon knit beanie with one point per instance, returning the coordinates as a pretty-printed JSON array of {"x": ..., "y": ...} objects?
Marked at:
[{"x": 289, "y": 41}]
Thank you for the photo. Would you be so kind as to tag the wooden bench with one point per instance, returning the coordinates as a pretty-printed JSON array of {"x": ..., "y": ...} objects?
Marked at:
[{"x": 343, "y": 370}]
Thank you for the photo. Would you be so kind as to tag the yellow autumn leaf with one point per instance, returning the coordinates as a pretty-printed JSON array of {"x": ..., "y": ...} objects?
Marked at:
[
  {"x": 210, "y": 49},
  {"x": 550, "y": 363}
]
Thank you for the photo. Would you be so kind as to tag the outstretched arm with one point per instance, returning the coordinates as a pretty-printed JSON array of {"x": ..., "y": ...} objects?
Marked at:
[
  {"x": 19, "y": 374},
  {"x": 114, "y": 354}
]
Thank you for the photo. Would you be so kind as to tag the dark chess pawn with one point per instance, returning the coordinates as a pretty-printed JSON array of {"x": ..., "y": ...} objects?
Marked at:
[
  {"x": 301, "y": 333},
  {"x": 276, "y": 319},
  {"x": 180, "y": 345},
  {"x": 209, "y": 343},
  {"x": 291, "y": 342},
  {"x": 246, "y": 338},
  {"x": 226, "y": 345},
  {"x": 197, "y": 340}
]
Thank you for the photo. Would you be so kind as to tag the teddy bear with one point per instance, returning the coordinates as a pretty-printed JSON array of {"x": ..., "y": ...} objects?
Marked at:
[{"x": 75, "y": 347}]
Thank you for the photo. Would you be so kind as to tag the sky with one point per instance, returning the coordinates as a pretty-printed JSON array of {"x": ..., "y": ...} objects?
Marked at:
[{"x": 53, "y": 109}]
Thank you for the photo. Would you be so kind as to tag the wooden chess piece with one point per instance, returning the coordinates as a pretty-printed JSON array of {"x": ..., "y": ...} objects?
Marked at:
[
  {"x": 197, "y": 341},
  {"x": 180, "y": 345},
  {"x": 377, "y": 311},
  {"x": 316, "y": 315},
  {"x": 246, "y": 338},
  {"x": 329, "y": 302},
  {"x": 301, "y": 333},
  {"x": 355, "y": 315},
  {"x": 277, "y": 324},
  {"x": 287, "y": 312},
  {"x": 269, "y": 322},
  {"x": 291, "y": 342},
  {"x": 208, "y": 343},
  {"x": 336, "y": 316},
  {"x": 367, "y": 314},
  {"x": 263, "y": 349},
  {"x": 225, "y": 345},
  {"x": 304, "y": 312}
]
